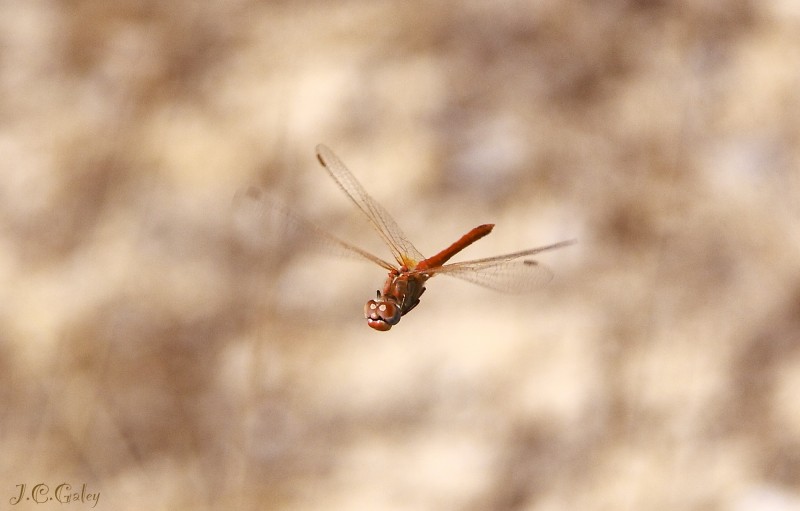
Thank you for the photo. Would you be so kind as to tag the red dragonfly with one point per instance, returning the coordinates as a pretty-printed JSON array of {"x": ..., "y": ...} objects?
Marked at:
[{"x": 405, "y": 284}]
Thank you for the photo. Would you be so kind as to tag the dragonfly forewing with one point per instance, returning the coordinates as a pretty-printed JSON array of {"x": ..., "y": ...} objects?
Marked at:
[
  {"x": 269, "y": 224},
  {"x": 509, "y": 273},
  {"x": 402, "y": 249}
]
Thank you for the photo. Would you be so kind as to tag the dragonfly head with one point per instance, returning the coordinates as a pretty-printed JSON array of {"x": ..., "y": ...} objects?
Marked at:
[{"x": 382, "y": 313}]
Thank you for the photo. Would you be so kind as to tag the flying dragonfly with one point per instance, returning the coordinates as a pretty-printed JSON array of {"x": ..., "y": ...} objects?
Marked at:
[{"x": 406, "y": 280}]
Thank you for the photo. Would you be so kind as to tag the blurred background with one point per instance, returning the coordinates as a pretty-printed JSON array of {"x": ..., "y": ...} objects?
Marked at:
[{"x": 154, "y": 352}]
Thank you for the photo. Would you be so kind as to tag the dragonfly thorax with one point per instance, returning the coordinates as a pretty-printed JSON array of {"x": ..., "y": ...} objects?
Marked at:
[{"x": 400, "y": 294}]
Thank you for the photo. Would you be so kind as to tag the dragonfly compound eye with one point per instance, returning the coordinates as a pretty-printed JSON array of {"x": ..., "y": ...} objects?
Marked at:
[{"x": 382, "y": 315}]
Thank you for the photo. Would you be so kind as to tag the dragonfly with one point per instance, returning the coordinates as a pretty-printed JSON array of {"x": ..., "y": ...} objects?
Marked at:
[{"x": 511, "y": 273}]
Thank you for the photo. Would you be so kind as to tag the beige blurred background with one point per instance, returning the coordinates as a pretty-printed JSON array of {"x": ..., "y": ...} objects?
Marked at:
[{"x": 153, "y": 353}]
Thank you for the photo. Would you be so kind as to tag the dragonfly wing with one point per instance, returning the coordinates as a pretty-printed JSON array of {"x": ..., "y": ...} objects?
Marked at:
[
  {"x": 402, "y": 249},
  {"x": 518, "y": 276},
  {"x": 265, "y": 222},
  {"x": 509, "y": 273}
]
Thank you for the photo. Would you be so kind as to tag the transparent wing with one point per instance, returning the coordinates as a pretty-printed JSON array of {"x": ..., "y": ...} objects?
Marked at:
[
  {"x": 509, "y": 273},
  {"x": 402, "y": 249},
  {"x": 266, "y": 222}
]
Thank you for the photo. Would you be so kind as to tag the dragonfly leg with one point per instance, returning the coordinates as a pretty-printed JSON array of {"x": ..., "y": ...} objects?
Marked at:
[{"x": 414, "y": 304}]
